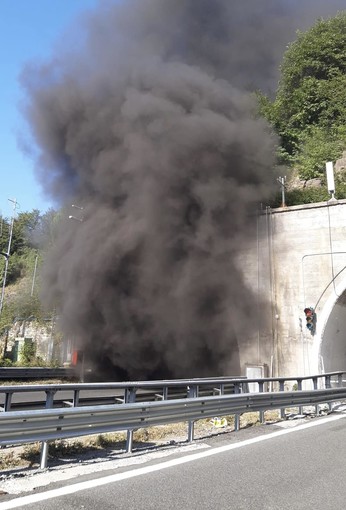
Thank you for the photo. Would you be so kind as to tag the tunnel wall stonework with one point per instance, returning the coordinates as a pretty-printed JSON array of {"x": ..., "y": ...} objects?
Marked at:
[{"x": 298, "y": 261}]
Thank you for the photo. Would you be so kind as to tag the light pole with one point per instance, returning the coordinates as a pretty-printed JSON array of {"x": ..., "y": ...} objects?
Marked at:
[
  {"x": 7, "y": 254},
  {"x": 78, "y": 361}
]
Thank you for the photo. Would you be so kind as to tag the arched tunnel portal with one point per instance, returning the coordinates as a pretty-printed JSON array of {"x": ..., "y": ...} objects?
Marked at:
[{"x": 332, "y": 350}]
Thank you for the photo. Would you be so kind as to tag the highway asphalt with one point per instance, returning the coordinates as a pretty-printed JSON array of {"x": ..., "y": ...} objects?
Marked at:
[{"x": 268, "y": 467}]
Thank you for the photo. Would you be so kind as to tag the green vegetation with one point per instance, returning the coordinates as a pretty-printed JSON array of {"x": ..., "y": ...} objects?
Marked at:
[
  {"x": 309, "y": 110},
  {"x": 32, "y": 233}
]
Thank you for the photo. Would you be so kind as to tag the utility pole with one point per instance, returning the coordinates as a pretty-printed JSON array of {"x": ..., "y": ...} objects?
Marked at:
[
  {"x": 7, "y": 254},
  {"x": 34, "y": 276}
]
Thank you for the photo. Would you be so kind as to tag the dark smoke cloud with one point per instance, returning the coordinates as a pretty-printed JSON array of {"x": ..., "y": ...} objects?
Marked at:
[{"x": 149, "y": 124}]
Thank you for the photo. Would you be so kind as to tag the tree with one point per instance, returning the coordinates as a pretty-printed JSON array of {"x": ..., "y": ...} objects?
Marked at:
[
  {"x": 32, "y": 233},
  {"x": 29, "y": 233},
  {"x": 22, "y": 249},
  {"x": 309, "y": 110},
  {"x": 318, "y": 145},
  {"x": 24, "y": 226}
]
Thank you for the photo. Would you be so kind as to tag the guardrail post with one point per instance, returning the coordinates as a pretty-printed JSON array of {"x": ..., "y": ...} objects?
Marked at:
[
  {"x": 328, "y": 385},
  {"x": 191, "y": 393},
  {"x": 282, "y": 410},
  {"x": 164, "y": 395},
  {"x": 8, "y": 400},
  {"x": 44, "y": 455},
  {"x": 315, "y": 385},
  {"x": 44, "y": 445},
  {"x": 50, "y": 398},
  {"x": 130, "y": 398},
  {"x": 260, "y": 389},
  {"x": 129, "y": 441},
  {"x": 237, "y": 390},
  {"x": 299, "y": 384},
  {"x": 340, "y": 377},
  {"x": 236, "y": 387},
  {"x": 7, "y": 404},
  {"x": 130, "y": 395},
  {"x": 75, "y": 398},
  {"x": 220, "y": 390},
  {"x": 327, "y": 379}
]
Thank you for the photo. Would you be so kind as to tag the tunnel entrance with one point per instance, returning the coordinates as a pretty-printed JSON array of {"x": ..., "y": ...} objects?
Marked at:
[{"x": 333, "y": 344}]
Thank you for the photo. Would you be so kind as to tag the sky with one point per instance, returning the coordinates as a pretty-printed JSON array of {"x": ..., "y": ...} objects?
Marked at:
[{"x": 29, "y": 29}]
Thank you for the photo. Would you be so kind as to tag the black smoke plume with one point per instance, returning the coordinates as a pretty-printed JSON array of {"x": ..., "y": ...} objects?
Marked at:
[{"x": 146, "y": 119}]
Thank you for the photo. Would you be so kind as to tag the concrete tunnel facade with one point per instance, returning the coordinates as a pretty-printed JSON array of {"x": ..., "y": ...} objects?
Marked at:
[{"x": 298, "y": 261}]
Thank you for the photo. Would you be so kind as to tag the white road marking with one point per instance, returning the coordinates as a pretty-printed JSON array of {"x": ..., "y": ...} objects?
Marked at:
[{"x": 81, "y": 486}]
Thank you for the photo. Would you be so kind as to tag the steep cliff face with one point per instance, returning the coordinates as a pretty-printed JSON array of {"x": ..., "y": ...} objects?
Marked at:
[
  {"x": 45, "y": 340},
  {"x": 340, "y": 165}
]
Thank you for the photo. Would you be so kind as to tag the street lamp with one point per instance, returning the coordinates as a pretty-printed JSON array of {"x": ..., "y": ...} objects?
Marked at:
[{"x": 74, "y": 217}]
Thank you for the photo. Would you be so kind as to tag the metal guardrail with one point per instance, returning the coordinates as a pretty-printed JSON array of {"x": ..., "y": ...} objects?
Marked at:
[
  {"x": 132, "y": 391},
  {"x": 121, "y": 392},
  {"x": 15, "y": 373},
  {"x": 50, "y": 424},
  {"x": 73, "y": 395}
]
